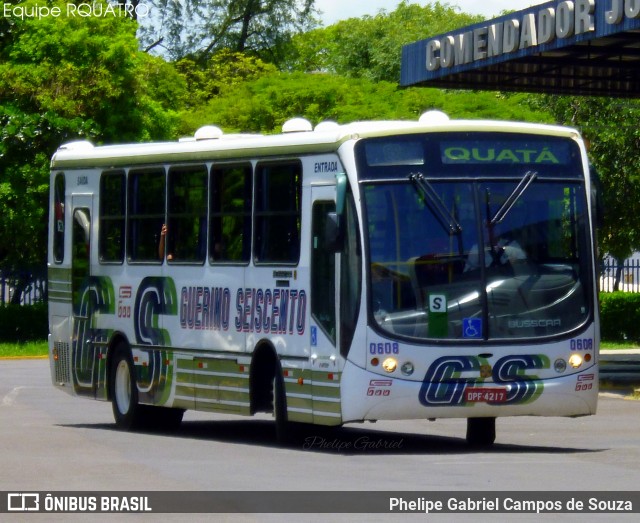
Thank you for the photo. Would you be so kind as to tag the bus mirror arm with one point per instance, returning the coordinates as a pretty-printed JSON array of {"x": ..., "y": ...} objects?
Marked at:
[
  {"x": 333, "y": 233},
  {"x": 341, "y": 192}
]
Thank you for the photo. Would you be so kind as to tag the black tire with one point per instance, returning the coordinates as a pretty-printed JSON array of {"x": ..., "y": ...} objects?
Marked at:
[
  {"x": 127, "y": 412},
  {"x": 280, "y": 407},
  {"x": 481, "y": 432},
  {"x": 286, "y": 431}
]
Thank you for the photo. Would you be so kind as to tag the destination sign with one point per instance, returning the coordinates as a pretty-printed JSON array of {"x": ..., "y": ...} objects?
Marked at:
[
  {"x": 452, "y": 149},
  {"x": 478, "y": 152}
]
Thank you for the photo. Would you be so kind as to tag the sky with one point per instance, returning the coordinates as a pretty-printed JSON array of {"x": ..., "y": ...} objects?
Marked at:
[{"x": 335, "y": 10}]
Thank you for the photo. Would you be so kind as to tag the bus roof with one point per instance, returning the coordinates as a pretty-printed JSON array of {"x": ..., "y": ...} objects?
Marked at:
[{"x": 298, "y": 137}]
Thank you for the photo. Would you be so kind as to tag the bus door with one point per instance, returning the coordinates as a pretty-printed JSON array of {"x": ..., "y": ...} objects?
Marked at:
[
  {"x": 324, "y": 353},
  {"x": 83, "y": 296}
]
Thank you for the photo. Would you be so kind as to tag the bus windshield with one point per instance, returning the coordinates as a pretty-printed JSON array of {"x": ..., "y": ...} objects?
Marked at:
[{"x": 475, "y": 236}]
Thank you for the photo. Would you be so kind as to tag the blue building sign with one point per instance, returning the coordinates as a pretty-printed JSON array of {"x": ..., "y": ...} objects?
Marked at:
[{"x": 581, "y": 43}]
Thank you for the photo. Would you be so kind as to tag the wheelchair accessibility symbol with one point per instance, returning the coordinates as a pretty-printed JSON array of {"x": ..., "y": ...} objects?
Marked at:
[{"x": 472, "y": 328}]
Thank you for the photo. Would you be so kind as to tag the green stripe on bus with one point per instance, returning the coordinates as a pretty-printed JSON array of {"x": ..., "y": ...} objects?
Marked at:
[
  {"x": 325, "y": 406},
  {"x": 331, "y": 421},
  {"x": 300, "y": 417},
  {"x": 59, "y": 297},
  {"x": 59, "y": 273}
]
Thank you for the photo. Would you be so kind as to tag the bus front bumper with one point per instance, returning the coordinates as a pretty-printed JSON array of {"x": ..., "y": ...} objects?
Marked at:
[{"x": 369, "y": 396}]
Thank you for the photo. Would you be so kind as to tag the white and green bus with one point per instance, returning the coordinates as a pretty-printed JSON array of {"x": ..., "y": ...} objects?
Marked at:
[{"x": 369, "y": 271}]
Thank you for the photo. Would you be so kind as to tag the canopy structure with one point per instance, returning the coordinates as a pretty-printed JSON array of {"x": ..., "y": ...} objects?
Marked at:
[{"x": 579, "y": 47}]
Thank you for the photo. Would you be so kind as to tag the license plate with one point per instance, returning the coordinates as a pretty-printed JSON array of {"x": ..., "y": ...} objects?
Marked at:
[{"x": 482, "y": 395}]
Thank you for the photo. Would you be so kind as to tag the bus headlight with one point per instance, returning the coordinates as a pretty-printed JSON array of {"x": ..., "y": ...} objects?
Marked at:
[
  {"x": 390, "y": 364},
  {"x": 575, "y": 360}
]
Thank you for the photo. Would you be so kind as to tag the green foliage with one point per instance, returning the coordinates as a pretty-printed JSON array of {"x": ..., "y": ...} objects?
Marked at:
[
  {"x": 22, "y": 323},
  {"x": 223, "y": 70},
  {"x": 370, "y": 47},
  {"x": 162, "y": 92},
  {"x": 74, "y": 67},
  {"x": 614, "y": 136},
  {"x": 620, "y": 316},
  {"x": 61, "y": 79},
  {"x": 264, "y": 104}
]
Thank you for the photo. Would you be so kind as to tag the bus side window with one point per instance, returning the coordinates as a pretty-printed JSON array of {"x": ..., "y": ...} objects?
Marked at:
[
  {"x": 58, "y": 220},
  {"x": 230, "y": 225},
  {"x": 187, "y": 214},
  {"x": 113, "y": 207},
  {"x": 277, "y": 213},
  {"x": 146, "y": 214}
]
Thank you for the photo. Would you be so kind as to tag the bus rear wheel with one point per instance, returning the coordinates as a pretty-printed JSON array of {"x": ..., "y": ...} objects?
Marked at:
[
  {"x": 481, "y": 432},
  {"x": 280, "y": 408},
  {"x": 286, "y": 431},
  {"x": 127, "y": 412}
]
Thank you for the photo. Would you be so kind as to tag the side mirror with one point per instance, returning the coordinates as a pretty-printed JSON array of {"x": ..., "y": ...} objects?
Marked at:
[
  {"x": 82, "y": 218},
  {"x": 333, "y": 233}
]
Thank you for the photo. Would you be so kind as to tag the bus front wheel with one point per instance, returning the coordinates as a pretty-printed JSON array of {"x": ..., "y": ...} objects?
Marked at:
[
  {"x": 124, "y": 391},
  {"x": 481, "y": 432}
]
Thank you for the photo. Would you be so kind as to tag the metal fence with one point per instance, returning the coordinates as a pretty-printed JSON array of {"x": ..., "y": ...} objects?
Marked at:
[
  {"x": 626, "y": 274},
  {"x": 27, "y": 287},
  {"x": 24, "y": 287}
]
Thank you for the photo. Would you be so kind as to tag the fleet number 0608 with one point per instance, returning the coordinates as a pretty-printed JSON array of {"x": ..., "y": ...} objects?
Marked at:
[
  {"x": 384, "y": 348},
  {"x": 582, "y": 344}
]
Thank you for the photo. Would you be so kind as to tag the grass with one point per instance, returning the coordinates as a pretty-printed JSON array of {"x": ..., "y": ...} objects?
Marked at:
[
  {"x": 34, "y": 349},
  {"x": 618, "y": 345},
  {"x": 31, "y": 349}
]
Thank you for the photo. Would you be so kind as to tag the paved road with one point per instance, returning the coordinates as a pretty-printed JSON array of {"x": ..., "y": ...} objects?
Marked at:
[{"x": 52, "y": 442}]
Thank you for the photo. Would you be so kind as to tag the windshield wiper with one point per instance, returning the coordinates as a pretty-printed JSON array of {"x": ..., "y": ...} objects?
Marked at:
[
  {"x": 439, "y": 209},
  {"x": 527, "y": 179}
]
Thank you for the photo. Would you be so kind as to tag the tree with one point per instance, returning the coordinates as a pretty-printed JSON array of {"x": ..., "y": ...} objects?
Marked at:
[
  {"x": 265, "y": 103},
  {"x": 223, "y": 70},
  {"x": 65, "y": 78},
  {"x": 614, "y": 138},
  {"x": 370, "y": 47},
  {"x": 200, "y": 28}
]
